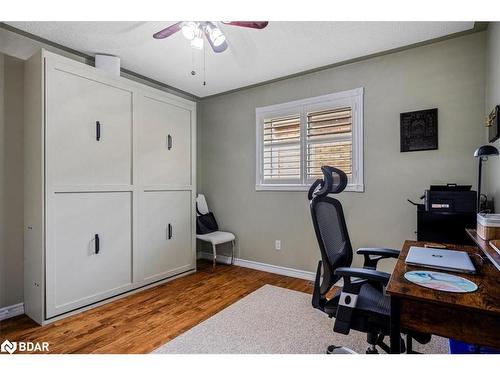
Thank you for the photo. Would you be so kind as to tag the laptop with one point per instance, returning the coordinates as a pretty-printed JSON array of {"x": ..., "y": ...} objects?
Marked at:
[{"x": 448, "y": 260}]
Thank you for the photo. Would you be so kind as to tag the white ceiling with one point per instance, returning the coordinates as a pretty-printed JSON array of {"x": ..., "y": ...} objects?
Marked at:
[{"x": 253, "y": 56}]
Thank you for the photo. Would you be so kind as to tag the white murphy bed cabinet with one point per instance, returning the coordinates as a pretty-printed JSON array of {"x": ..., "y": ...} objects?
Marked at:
[{"x": 109, "y": 186}]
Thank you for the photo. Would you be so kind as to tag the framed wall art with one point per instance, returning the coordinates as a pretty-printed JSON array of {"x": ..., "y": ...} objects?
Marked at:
[
  {"x": 492, "y": 124},
  {"x": 419, "y": 130}
]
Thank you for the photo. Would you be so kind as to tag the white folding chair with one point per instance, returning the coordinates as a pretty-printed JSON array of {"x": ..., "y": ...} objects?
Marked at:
[{"x": 215, "y": 238}]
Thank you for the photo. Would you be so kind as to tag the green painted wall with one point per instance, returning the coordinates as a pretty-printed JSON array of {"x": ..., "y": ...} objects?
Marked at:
[{"x": 448, "y": 75}]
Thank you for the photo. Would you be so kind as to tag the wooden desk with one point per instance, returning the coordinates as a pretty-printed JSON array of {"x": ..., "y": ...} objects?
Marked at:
[{"x": 470, "y": 317}]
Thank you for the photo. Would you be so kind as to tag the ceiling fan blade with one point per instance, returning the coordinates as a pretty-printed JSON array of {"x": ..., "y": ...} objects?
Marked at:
[
  {"x": 217, "y": 49},
  {"x": 250, "y": 24},
  {"x": 172, "y": 29}
]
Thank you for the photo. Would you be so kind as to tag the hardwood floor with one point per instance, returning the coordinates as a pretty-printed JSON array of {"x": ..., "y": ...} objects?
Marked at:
[{"x": 144, "y": 321}]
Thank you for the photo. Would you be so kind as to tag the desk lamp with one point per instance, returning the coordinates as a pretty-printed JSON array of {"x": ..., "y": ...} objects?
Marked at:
[{"x": 482, "y": 153}]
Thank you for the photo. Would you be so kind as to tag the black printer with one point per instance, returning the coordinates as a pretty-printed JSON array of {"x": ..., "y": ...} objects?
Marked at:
[
  {"x": 445, "y": 213},
  {"x": 450, "y": 198}
]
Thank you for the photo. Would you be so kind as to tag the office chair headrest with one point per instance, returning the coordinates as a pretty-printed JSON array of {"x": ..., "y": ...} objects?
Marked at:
[{"x": 334, "y": 182}]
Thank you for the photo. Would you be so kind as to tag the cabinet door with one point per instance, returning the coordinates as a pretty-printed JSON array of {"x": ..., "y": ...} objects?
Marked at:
[
  {"x": 165, "y": 238},
  {"x": 89, "y": 131},
  {"x": 164, "y": 143},
  {"x": 89, "y": 250}
]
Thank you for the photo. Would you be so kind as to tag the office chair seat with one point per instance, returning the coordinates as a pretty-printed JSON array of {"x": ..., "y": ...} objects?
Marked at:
[{"x": 372, "y": 309}]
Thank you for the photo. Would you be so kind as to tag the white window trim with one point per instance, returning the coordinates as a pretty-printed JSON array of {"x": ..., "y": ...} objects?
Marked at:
[{"x": 355, "y": 98}]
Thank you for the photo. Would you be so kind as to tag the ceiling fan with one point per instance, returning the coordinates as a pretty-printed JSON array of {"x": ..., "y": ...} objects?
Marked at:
[{"x": 194, "y": 31}]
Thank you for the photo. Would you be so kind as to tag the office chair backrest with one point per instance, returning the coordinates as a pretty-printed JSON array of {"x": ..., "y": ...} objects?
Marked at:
[
  {"x": 329, "y": 224},
  {"x": 201, "y": 203}
]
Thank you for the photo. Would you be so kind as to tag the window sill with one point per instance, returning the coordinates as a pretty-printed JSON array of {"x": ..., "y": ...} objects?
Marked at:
[{"x": 357, "y": 188}]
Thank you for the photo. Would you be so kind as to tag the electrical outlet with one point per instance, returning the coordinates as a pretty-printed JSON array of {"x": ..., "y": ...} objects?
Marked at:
[{"x": 277, "y": 244}]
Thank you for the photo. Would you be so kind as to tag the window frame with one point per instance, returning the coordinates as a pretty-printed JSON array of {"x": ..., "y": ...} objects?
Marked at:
[{"x": 352, "y": 98}]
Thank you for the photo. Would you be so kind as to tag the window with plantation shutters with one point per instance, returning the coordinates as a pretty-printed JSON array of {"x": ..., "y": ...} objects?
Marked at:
[
  {"x": 329, "y": 141},
  {"x": 295, "y": 139}
]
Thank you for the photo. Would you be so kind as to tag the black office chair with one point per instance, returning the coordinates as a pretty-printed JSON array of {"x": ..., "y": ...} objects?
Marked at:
[{"x": 361, "y": 304}]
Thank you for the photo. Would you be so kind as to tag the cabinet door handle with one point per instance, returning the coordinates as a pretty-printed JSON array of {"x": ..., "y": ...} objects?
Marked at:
[
  {"x": 169, "y": 231},
  {"x": 96, "y": 243},
  {"x": 97, "y": 131},
  {"x": 169, "y": 142}
]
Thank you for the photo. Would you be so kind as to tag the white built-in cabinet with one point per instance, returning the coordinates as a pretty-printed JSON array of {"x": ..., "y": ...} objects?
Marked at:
[
  {"x": 165, "y": 229},
  {"x": 109, "y": 186},
  {"x": 163, "y": 130}
]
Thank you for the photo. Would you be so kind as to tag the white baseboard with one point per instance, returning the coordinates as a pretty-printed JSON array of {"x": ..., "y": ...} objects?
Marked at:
[
  {"x": 11, "y": 311},
  {"x": 285, "y": 271},
  {"x": 279, "y": 270}
]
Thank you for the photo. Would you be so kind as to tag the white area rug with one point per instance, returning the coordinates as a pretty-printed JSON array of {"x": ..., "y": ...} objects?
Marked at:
[{"x": 273, "y": 320}]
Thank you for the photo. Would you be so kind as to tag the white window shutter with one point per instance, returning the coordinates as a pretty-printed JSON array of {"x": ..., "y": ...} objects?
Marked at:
[
  {"x": 329, "y": 141},
  {"x": 281, "y": 149}
]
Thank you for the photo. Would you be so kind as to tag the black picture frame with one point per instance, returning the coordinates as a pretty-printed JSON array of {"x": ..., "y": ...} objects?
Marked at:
[
  {"x": 492, "y": 123},
  {"x": 419, "y": 130}
]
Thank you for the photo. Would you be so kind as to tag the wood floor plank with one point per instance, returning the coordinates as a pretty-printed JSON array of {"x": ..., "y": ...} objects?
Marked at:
[{"x": 146, "y": 320}]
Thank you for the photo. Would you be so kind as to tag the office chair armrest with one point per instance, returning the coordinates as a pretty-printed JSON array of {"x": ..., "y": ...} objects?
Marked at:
[
  {"x": 362, "y": 273},
  {"x": 378, "y": 253}
]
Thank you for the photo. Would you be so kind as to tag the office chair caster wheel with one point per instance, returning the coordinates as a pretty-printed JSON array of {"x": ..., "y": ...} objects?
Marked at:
[
  {"x": 372, "y": 350},
  {"x": 332, "y": 349}
]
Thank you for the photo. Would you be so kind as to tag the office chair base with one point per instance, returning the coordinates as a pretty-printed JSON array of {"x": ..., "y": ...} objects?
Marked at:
[{"x": 332, "y": 349}]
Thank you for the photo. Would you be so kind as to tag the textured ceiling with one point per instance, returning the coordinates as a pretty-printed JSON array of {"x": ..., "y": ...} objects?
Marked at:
[{"x": 253, "y": 56}]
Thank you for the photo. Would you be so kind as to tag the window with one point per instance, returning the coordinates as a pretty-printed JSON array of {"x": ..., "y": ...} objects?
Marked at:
[{"x": 295, "y": 139}]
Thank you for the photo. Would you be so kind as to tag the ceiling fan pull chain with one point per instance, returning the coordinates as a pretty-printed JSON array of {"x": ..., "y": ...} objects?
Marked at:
[
  {"x": 193, "y": 71},
  {"x": 204, "y": 67}
]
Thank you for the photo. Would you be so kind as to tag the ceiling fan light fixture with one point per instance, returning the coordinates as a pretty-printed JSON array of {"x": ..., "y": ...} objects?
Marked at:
[
  {"x": 197, "y": 31},
  {"x": 189, "y": 30},
  {"x": 217, "y": 36}
]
